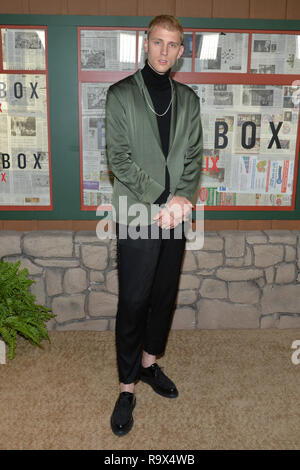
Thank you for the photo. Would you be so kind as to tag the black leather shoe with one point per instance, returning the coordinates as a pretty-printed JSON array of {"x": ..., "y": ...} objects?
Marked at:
[
  {"x": 121, "y": 419},
  {"x": 160, "y": 383}
]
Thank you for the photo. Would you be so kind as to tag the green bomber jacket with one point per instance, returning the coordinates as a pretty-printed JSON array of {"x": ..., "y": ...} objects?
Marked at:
[{"x": 134, "y": 151}]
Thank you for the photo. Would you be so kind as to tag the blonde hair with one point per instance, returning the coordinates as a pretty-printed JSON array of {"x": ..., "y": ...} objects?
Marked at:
[{"x": 168, "y": 22}]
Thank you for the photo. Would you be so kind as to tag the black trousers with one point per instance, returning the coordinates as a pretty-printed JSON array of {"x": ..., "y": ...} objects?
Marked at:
[{"x": 148, "y": 274}]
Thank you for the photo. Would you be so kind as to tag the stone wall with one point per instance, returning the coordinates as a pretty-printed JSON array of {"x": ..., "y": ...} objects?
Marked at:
[{"x": 238, "y": 280}]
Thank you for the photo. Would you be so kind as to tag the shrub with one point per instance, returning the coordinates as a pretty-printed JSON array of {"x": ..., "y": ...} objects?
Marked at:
[{"x": 19, "y": 314}]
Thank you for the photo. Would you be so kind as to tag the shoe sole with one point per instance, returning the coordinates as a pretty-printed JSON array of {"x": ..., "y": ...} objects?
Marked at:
[
  {"x": 166, "y": 395},
  {"x": 121, "y": 433}
]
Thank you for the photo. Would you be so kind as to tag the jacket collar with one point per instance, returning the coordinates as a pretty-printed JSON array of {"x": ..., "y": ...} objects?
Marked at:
[{"x": 152, "y": 117}]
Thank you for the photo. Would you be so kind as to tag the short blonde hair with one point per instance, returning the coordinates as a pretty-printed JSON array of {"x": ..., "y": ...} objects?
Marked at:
[{"x": 167, "y": 21}]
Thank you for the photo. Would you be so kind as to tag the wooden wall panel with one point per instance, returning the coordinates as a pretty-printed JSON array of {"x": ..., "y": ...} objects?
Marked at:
[
  {"x": 293, "y": 10},
  {"x": 14, "y": 6},
  {"x": 86, "y": 7},
  {"x": 122, "y": 8},
  {"x": 268, "y": 9},
  {"x": 195, "y": 9},
  {"x": 156, "y": 7},
  {"x": 231, "y": 9},
  {"x": 20, "y": 225},
  {"x": 55, "y": 7},
  {"x": 255, "y": 224}
]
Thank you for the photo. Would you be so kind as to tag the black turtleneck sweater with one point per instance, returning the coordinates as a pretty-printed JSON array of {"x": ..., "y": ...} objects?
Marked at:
[{"x": 160, "y": 91}]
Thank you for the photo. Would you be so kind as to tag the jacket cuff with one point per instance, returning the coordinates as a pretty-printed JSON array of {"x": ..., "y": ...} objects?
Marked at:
[
  {"x": 162, "y": 199},
  {"x": 183, "y": 194},
  {"x": 153, "y": 192}
]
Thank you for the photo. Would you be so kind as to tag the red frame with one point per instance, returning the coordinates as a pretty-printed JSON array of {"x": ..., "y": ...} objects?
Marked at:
[
  {"x": 193, "y": 77},
  {"x": 31, "y": 72}
]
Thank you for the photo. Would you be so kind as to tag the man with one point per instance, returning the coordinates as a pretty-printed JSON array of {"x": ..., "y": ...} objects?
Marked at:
[{"x": 154, "y": 145}]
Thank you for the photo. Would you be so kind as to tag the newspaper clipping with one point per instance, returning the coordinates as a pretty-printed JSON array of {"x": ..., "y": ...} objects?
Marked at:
[
  {"x": 275, "y": 53},
  {"x": 108, "y": 50},
  {"x": 249, "y": 144},
  {"x": 97, "y": 178},
  {"x": 24, "y": 158},
  {"x": 221, "y": 52},
  {"x": 23, "y": 49}
]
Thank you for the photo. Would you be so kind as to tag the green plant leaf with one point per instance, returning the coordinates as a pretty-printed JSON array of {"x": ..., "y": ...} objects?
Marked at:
[{"x": 19, "y": 313}]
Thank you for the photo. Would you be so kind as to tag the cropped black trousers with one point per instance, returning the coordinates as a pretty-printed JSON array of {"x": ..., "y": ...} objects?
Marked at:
[{"x": 148, "y": 274}]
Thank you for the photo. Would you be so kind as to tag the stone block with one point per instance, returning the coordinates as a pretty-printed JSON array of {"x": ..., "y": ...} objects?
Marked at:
[
  {"x": 68, "y": 307},
  {"x": 54, "y": 283},
  {"x": 85, "y": 325},
  {"x": 217, "y": 314},
  {"x": 245, "y": 292},
  {"x": 270, "y": 273},
  {"x": 96, "y": 276},
  {"x": 38, "y": 290},
  {"x": 89, "y": 237},
  {"x": 248, "y": 261},
  {"x": 256, "y": 236},
  {"x": 94, "y": 256},
  {"x": 234, "y": 243},
  {"x": 75, "y": 280},
  {"x": 213, "y": 288},
  {"x": 289, "y": 321},
  {"x": 234, "y": 262},
  {"x": 183, "y": 319},
  {"x": 186, "y": 297},
  {"x": 268, "y": 255},
  {"x": 268, "y": 321},
  {"x": 212, "y": 242},
  {"x": 239, "y": 274},
  {"x": 189, "y": 281},
  {"x": 55, "y": 243},
  {"x": 189, "y": 262},
  {"x": 285, "y": 273},
  {"x": 102, "y": 304},
  {"x": 286, "y": 237},
  {"x": 10, "y": 243},
  {"x": 281, "y": 299},
  {"x": 290, "y": 253},
  {"x": 112, "y": 284},
  {"x": 209, "y": 260}
]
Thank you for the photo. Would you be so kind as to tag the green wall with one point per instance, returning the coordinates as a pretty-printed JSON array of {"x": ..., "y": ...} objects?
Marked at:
[{"x": 63, "y": 101}]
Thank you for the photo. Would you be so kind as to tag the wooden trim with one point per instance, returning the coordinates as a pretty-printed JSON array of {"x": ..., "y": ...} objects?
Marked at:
[{"x": 90, "y": 225}]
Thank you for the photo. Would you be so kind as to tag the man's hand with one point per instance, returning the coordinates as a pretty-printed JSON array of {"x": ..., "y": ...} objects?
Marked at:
[{"x": 177, "y": 210}]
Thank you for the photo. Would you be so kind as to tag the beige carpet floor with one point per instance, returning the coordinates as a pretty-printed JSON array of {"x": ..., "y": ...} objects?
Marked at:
[{"x": 238, "y": 390}]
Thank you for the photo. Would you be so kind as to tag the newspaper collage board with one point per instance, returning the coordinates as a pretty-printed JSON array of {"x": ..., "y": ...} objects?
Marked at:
[
  {"x": 250, "y": 131},
  {"x": 24, "y": 152}
]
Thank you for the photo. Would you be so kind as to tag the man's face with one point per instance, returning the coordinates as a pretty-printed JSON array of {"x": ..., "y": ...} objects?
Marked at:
[{"x": 163, "y": 48}]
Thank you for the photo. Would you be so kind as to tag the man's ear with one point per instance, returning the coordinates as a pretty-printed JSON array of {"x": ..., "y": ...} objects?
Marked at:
[
  {"x": 181, "y": 49},
  {"x": 146, "y": 45}
]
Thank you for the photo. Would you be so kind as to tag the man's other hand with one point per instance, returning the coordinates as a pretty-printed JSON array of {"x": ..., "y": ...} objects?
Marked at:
[{"x": 176, "y": 211}]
